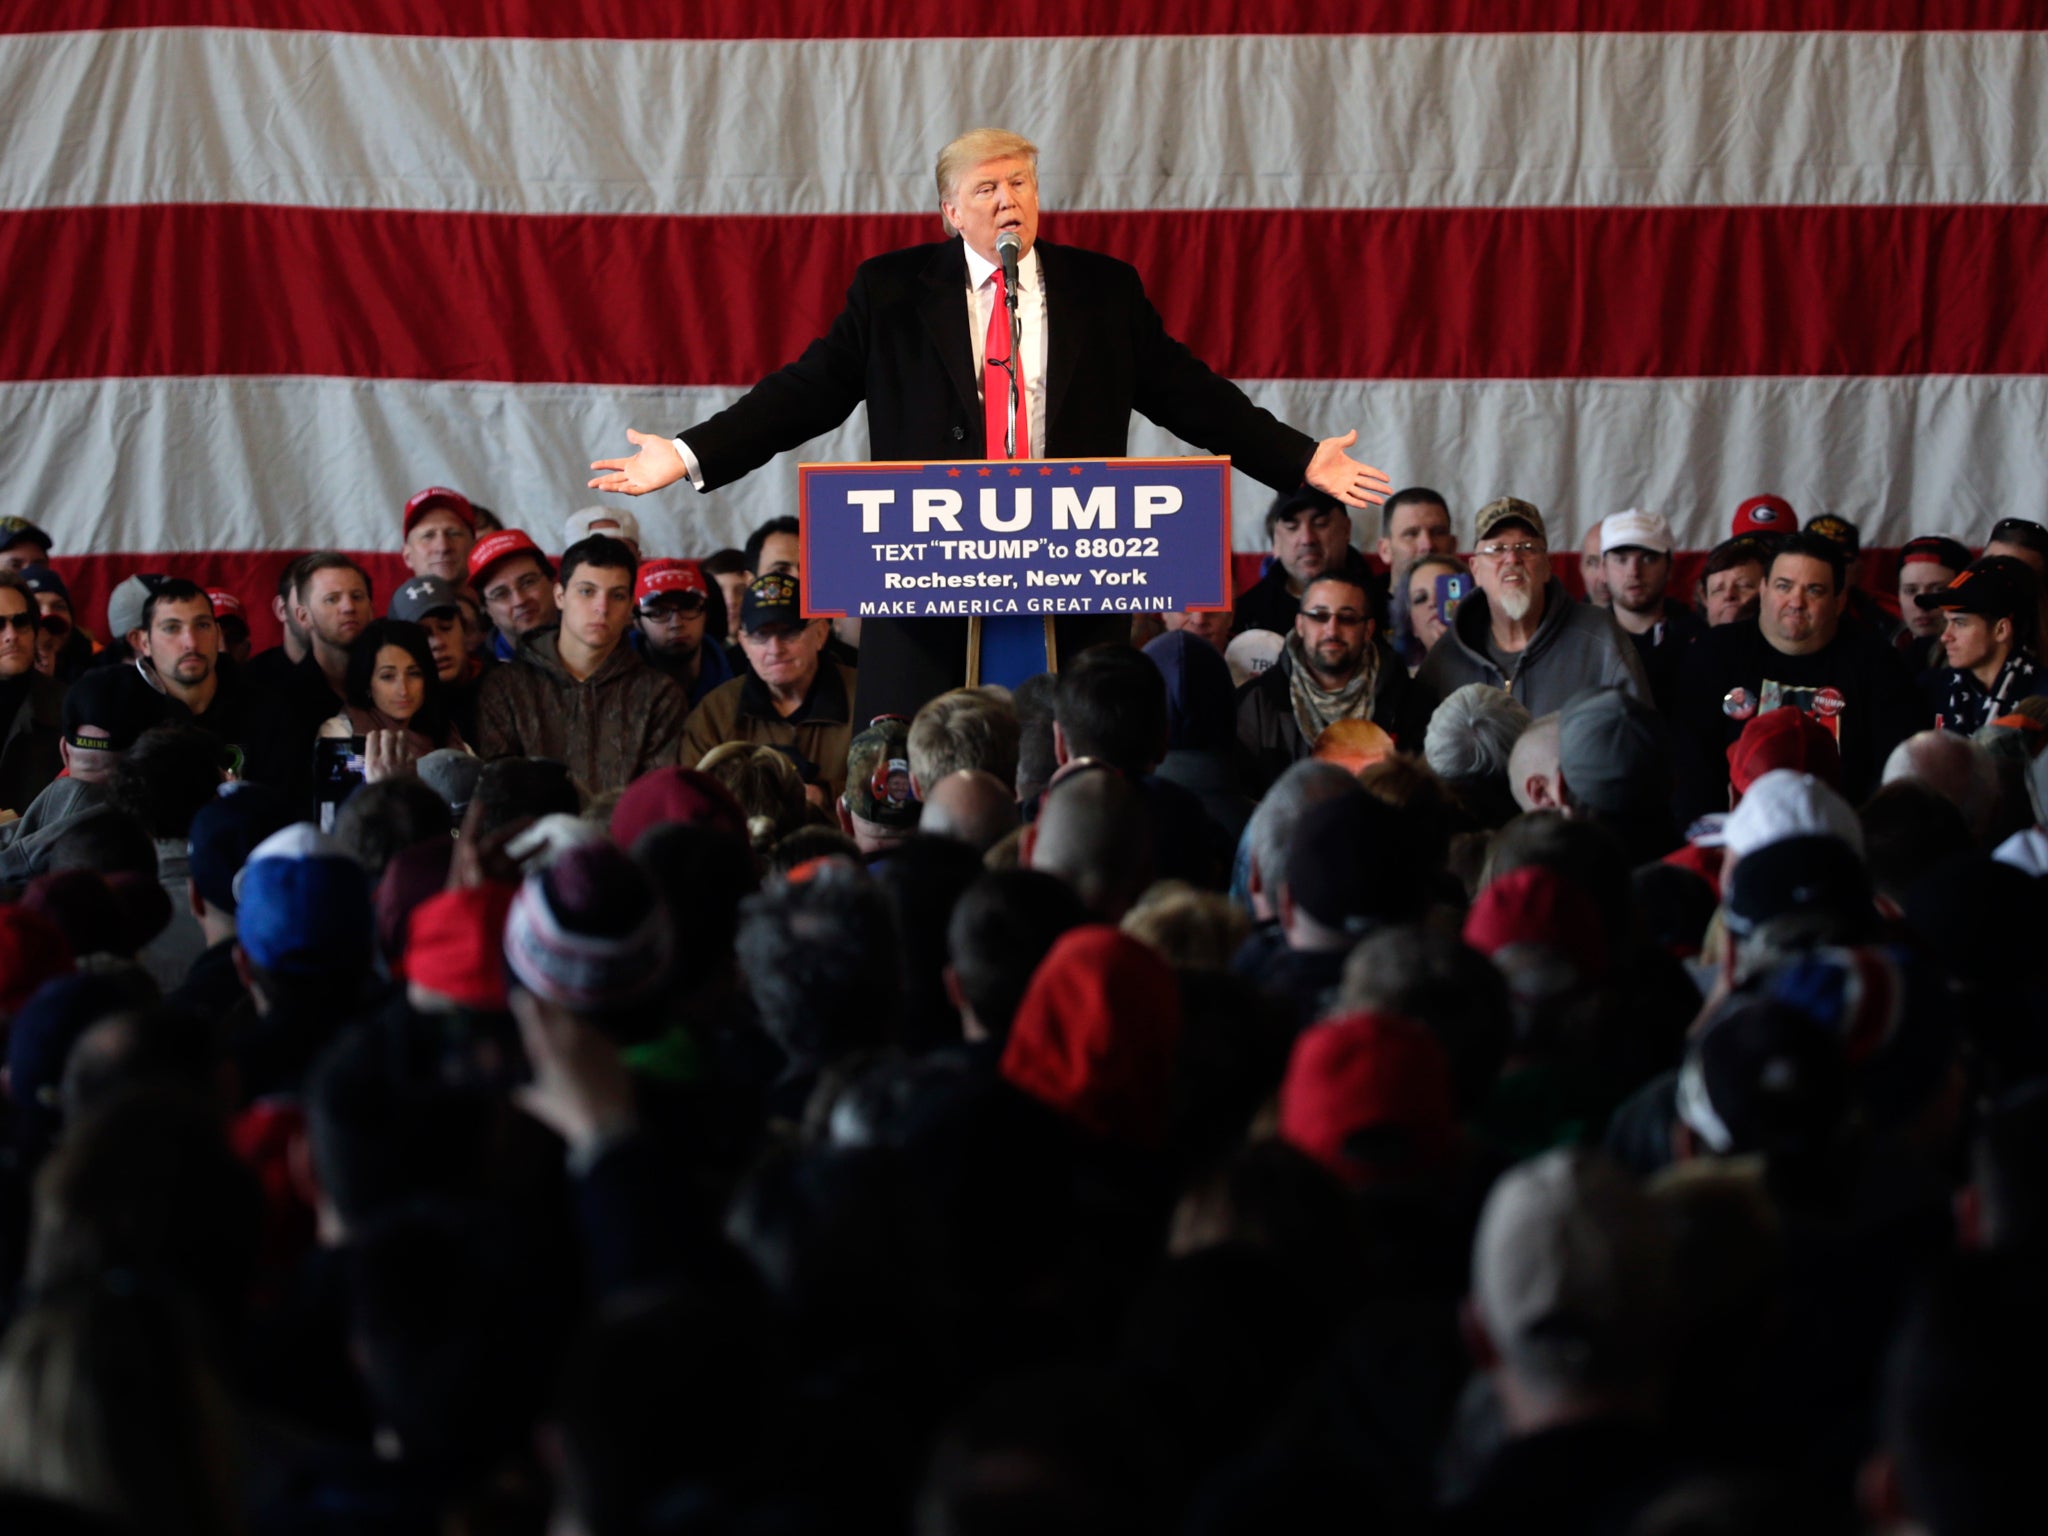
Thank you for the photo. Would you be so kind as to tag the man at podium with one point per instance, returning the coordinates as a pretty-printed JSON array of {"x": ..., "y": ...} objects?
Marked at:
[{"x": 926, "y": 342}]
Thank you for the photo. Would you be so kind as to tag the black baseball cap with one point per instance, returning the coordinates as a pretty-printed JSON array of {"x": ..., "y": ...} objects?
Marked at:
[
  {"x": 116, "y": 703},
  {"x": 19, "y": 530},
  {"x": 1944, "y": 551},
  {"x": 2022, "y": 531},
  {"x": 771, "y": 599},
  {"x": 1997, "y": 587},
  {"x": 40, "y": 579},
  {"x": 1837, "y": 530},
  {"x": 1289, "y": 505},
  {"x": 422, "y": 595},
  {"x": 1814, "y": 874}
]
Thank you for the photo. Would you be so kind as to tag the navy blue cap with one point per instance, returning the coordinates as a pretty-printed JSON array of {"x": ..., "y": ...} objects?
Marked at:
[{"x": 226, "y": 831}]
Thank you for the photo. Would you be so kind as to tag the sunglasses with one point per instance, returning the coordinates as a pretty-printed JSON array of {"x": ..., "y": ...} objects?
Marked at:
[
  {"x": 18, "y": 621},
  {"x": 679, "y": 602}
]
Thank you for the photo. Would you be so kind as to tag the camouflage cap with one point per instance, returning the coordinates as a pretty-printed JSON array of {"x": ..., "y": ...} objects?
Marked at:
[{"x": 1509, "y": 509}]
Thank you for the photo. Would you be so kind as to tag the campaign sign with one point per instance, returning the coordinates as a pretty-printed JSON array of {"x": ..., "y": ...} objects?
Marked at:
[{"x": 1039, "y": 536}]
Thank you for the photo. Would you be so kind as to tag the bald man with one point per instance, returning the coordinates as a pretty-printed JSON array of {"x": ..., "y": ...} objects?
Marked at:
[
  {"x": 1533, "y": 775},
  {"x": 971, "y": 806},
  {"x": 1094, "y": 834}
]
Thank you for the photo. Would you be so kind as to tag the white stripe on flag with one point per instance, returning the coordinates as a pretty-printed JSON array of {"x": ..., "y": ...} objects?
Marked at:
[
  {"x": 851, "y": 126},
  {"x": 335, "y": 458}
]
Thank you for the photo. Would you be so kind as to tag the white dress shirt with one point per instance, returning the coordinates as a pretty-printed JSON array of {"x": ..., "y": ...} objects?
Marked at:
[{"x": 980, "y": 294}]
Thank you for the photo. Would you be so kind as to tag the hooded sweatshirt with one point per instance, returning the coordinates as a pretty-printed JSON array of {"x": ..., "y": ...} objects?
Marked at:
[
  {"x": 1576, "y": 646},
  {"x": 610, "y": 728}
]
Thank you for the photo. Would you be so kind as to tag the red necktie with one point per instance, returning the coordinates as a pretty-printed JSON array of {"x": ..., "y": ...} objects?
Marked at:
[{"x": 995, "y": 382}]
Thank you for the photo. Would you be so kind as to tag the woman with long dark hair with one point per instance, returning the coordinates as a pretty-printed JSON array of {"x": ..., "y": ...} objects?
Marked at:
[{"x": 392, "y": 685}]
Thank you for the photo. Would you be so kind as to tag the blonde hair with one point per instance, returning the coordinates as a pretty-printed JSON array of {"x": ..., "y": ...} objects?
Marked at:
[
  {"x": 978, "y": 146},
  {"x": 965, "y": 728},
  {"x": 1193, "y": 929},
  {"x": 108, "y": 1402}
]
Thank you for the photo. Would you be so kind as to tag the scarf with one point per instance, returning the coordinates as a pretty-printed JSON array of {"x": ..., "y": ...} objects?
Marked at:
[
  {"x": 1317, "y": 708},
  {"x": 1968, "y": 707}
]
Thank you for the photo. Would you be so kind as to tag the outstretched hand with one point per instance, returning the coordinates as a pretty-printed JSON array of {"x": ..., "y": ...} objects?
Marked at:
[
  {"x": 656, "y": 464},
  {"x": 1336, "y": 473}
]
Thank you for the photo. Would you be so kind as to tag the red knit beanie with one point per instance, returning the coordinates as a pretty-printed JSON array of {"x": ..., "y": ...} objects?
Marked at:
[{"x": 1096, "y": 1034}]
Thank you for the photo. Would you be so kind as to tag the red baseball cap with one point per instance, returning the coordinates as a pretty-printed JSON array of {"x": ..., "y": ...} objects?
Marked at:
[
  {"x": 1537, "y": 905},
  {"x": 434, "y": 496},
  {"x": 1766, "y": 514},
  {"x": 664, "y": 795},
  {"x": 1784, "y": 738},
  {"x": 225, "y": 603},
  {"x": 455, "y": 945},
  {"x": 500, "y": 546},
  {"x": 669, "y": 578},
  {"x": 1096, "y": 1034},
  {"x": 1375, "y": 1079}
]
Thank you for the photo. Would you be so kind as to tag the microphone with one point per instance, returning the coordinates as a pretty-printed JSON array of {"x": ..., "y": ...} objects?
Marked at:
[{"x": 1009, "y": 245}]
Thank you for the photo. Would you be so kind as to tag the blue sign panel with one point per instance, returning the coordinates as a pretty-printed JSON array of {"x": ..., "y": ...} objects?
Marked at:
[{"x": 1042, "y": 536}]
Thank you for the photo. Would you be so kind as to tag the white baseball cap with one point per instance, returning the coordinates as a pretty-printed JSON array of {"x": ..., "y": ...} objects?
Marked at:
[
  {"x": 582, "y": 524},
  {"x": 1787, "y": 803},
  {"x": 1636, "y": 529},
  {"x": 1251, "y": 653}
]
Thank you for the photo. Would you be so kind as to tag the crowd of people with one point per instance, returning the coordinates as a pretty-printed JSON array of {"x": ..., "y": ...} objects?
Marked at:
[{"x": 1422, "y": 1051}]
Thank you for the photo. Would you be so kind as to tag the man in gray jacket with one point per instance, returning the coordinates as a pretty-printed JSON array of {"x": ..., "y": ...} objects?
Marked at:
[{"x": 1522, "y": 631}]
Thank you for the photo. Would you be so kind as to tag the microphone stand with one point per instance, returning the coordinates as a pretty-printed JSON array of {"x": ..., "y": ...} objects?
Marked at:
[{"x": 1016, "y": 346}]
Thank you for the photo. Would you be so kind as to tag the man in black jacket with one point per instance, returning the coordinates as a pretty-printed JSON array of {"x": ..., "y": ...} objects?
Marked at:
[
  {"x": 1798, "y": 654},
  {"x": 906, "y": 346},
  {"x": 1310, "y": 535},
  {"x": 1335, "y": 668}
]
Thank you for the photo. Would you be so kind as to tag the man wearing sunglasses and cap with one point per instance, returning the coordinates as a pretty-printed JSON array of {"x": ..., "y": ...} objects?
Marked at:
[
  {"x": 679, "y": 625},
  {"x": 31, "y": 705}
]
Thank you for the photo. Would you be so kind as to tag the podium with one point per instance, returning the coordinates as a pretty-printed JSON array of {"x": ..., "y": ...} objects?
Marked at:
[{"x": 1042, "y": 540}]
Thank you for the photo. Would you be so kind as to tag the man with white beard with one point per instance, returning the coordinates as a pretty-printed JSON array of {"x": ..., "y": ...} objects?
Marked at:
[{"x": 1521, "y": 630}]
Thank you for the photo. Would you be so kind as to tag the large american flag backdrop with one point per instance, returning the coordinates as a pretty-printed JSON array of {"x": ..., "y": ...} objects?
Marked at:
[{"x": 270, "y": 265}]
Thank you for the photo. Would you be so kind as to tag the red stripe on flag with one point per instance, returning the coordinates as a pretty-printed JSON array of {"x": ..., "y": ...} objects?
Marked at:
[
  {"x": 796, "y": 19},
  {"x": 1433, "y": 293},
  {"x": 249, "y": 574}
]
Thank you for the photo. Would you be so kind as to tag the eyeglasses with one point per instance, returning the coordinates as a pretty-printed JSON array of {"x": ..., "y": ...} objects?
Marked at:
[
  {"x": 17, "y": 621},
  {"x": 1347, "y": 618},
  {"x": 1521, "y": 549},
  {"x": 685, "y": 603}
]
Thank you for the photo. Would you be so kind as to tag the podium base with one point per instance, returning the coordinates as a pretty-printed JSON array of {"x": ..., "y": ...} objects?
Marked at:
[
  {"x": 906, "y": 662},
  {"x": 1005, "y": 651}
]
